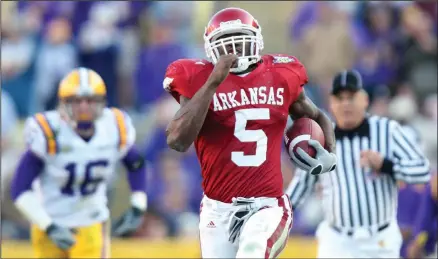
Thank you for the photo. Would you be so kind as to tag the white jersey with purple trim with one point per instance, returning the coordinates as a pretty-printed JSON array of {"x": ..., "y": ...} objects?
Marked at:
[{"x": 73, "y": 183}]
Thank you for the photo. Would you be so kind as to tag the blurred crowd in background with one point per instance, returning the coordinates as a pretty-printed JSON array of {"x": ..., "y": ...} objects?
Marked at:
[{"x": 392, "y": 44}]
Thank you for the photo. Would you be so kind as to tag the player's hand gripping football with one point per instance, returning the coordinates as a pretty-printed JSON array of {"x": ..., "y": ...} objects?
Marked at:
[
  {"x": 323, "y": 162},
  {"x": 222, "y": 68},
  {"x": 60, "y": 236},
  {"x": 128, "y": 223}
]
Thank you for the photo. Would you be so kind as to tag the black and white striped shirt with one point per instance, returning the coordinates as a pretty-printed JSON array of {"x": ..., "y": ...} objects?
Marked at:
[{"x": 354, "y": 197}]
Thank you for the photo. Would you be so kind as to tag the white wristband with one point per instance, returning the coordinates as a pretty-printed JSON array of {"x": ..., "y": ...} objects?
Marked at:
[
  {"x": 31, "y": 207},
  {"x": 139, "y": 200}
]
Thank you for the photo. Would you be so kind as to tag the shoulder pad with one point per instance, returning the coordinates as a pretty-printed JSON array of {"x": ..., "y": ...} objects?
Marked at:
[
  {"x": 287, "y": 64},
  {"x": 180, "y": 75},
  {"x": 41, "y": 135},
  {"x": 125, "y": 129}
]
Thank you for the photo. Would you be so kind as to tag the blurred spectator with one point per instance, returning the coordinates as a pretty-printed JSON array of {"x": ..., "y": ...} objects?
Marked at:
[
  {"x": 17, "y": 59},
  {"x": 98, "y": 44},
  {"x": 33, "y": 16},
  {"x": 418, "y": 64},
  {"x": 178, "y": 15},
  {"x": 430, "y": 107},
  {"x": 9, "y": 124},
  {"x": 305, "y": 16},
  {"x": 56, "y": 57},
  {"x": 373, "y": 68},
  {"x": 156, "y": 145},
  {"x": 377, "y": 38},
  {"x": 129, "y": 47},
  {"x": 347, "y": 7},
  {"x": 431, "y": 8},
  {"x": 9, "y": 120},
  {"x": 153, "y": 227},
  {"x": 8, "y": 11},
  {"x": 379, "y": 100},
  {"x": 318, "y": 89},
  {"x": 405, "y": 216},
  {"x": 317, "y": 94},
  {"x": 430, "y": 132},
  {"x": 12, "y": 225},
  {"x": 45, "y": 11},
  {"x": 172, "y": 190},
  {"x": 326, "y": 46},
  {"x": 308, "y": 217},
  {"x": 162, "y": 113},
  {"x": 167, "y": 42},
  {"x": 378, "y": 24},
  {"x": 404, "y": 109},
  {"x": 308, "y": 13}
]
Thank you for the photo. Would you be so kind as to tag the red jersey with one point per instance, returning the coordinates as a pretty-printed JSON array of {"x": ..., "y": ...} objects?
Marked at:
[{"x": 239, "y": 145}]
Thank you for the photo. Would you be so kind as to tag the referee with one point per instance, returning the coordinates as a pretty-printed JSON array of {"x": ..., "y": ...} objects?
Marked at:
[{"x": 360, "y": 195}]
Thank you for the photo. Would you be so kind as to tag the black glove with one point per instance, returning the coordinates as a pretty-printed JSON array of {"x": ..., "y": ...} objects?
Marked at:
[
  {"x": 128, "y": 223},
  {"x": 61, "y": 236}
]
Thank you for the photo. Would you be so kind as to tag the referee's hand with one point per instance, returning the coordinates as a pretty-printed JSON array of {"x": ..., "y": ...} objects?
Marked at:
[{"x": 371, "y": 159}]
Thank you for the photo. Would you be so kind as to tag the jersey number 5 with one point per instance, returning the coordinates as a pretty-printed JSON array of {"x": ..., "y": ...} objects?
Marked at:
[
  {"x": 244, "y": 135},
  {"x": 89, "y": 184}
]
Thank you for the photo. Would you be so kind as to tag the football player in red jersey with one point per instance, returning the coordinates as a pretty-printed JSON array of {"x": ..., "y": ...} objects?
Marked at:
[{"x": 236, "y": 121}]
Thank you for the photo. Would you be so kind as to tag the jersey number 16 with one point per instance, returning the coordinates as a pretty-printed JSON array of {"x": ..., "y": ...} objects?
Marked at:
[{"x": 89, "y": 184}]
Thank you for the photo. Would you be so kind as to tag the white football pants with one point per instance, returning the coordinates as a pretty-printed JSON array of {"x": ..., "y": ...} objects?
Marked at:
[
  {"x": 362, "y": 244},
  {"x": 264, "y": 235}
]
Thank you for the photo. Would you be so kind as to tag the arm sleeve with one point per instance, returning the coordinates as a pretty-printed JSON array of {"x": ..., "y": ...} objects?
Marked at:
[
  {"x": 135, "y": 164},
  {"x": 409, "y": 163},
  {"x": 301, "y": 186},
  {"x": 176, "y": 81},
  {"x": 127, "y": 132},
  {"x": 29, "y": 168}
]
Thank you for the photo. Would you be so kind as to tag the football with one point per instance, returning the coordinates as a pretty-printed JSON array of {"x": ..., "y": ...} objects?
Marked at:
[{"x": 298, "y": 135}]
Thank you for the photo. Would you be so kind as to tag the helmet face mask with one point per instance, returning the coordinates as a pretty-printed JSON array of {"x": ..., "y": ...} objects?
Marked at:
[
  {"x": 83, "y": 109},
  {"x": 82, "y": 98},
  {"x": 234, "y": 31}
]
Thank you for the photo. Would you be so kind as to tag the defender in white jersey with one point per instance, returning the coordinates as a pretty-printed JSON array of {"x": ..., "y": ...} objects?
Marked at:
[{"x": 73, "y": 151}]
